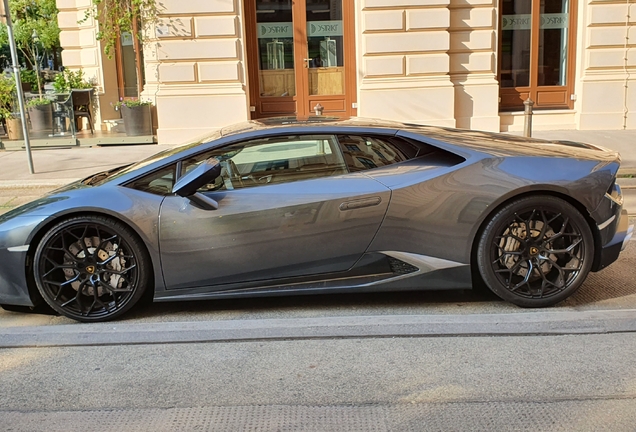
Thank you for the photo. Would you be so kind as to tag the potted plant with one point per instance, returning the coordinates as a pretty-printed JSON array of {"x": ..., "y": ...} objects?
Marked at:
[
  {"x": 29, "y": 80},
  {"x": 40, "y": 114},
  {"x": 137, "y": 117},
  {"x": 68, "y": 80},
  {"x": 12, "y": 122}
]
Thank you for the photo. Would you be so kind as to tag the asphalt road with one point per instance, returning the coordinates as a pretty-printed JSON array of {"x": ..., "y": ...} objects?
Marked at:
[{"x": 534, "y": 383}]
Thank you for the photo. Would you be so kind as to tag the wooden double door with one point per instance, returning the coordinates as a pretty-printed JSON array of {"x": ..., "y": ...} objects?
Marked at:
[{"x": 301, "y": 56}]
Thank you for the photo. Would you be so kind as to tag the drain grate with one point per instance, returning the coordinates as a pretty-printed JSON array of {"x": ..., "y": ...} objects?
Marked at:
[{"x": 581, "y": 415}]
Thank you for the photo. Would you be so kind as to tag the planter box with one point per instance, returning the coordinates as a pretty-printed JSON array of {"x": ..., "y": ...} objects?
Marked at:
[
  {"x": 137, "y": 120},
  {"x": 14, "y": 128},
  {"x": 41, "y": 117}
]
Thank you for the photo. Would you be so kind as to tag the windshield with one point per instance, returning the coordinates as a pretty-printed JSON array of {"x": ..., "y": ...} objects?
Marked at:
[{"x": 101, "y": 178}]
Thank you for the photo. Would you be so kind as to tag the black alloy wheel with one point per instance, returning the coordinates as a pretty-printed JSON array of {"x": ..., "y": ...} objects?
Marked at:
[
  {"x": 91, "y": 268},
  {"x": 536, "y": 251}
]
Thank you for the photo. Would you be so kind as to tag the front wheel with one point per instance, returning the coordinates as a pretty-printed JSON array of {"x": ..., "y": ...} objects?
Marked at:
[
  {"x": 535, "y": 251},
  {"x": 91, "y": 268}
]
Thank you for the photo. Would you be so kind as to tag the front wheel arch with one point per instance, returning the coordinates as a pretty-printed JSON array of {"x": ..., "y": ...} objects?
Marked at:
[
  {"x": 34, "y": 294},
  {"x": 478, "y": 281}
]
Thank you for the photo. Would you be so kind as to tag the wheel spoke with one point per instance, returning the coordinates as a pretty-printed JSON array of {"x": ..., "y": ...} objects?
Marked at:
[
  {"x": 545, "y": 280},
  {"x": 544, "y": 228},
  {"x": 105, "y": 241},
  {"x": 121, "y": 272},
  {"x": 526, "y": 277},
  {"x": 58, "y": 267},
  {"x": 566, "y": 250},
  {"x": 114, "y": 290}
]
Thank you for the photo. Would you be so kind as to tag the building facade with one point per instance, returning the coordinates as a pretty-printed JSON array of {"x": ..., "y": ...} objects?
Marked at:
[{"x": 459, "y": 63}]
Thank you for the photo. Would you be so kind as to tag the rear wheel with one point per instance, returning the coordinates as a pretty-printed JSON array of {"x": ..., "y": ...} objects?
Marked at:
[
  {"x": 91, "y": 268},
  {"x": 535, "y": 251}
]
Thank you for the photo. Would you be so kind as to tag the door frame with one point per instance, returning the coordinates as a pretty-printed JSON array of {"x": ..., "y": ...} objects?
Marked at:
[
  {"x": 302, "y": 103},
  {"x": 139, "y": 65},
  {"x": 512, "y": 98}
]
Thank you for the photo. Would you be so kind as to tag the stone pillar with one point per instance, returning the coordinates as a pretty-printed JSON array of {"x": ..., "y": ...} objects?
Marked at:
[
  {"x": 404, "y": 62},
  {"x": 473, "y": 65},
  {"x": 195, "y": 68}
]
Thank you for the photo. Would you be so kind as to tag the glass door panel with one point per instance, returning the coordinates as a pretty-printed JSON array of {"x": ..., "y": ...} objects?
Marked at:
[
  {"x": 129, "y": 65},
  {"x": 275, "y": 34},
  {"x": 515, "y": 43},
  {"x": 297, "y": 51},
  {"x": 537, "y": 53},
  {"x": 325, "y": 47},
  {"x": 553, "y": 43}
]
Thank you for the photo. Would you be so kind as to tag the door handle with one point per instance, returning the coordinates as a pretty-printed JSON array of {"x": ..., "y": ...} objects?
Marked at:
[{"x": 360, "y": 203}]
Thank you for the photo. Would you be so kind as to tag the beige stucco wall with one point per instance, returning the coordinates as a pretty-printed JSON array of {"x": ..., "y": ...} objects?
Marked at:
[
  {"x": 403, "y": 61},
  {"x": 606, "y": 85},
  {"x": 473, "y": 65},
  {"x": 83, "y": 51},
  {"x": 195, "y": 68},
  {"x": 425, "y": 61}
]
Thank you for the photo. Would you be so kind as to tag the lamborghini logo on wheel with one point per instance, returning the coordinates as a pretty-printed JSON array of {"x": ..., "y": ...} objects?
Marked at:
[{"x": 90, "y": 269}]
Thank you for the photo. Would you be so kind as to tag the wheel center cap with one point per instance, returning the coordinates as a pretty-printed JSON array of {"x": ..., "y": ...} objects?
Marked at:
[
  {"x": 90, "y": 269},
  {"x": 534, "y": 251}
]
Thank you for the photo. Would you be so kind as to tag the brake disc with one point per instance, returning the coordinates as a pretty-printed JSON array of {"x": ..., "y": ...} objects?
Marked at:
[{"x": 107, "y": 251}]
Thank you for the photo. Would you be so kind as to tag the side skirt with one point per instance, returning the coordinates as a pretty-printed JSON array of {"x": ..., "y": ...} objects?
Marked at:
[{"x": 376, "y": 272}]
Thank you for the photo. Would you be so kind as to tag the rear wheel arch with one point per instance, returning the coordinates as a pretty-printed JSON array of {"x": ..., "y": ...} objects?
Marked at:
[{"x": 478, "y": 280}]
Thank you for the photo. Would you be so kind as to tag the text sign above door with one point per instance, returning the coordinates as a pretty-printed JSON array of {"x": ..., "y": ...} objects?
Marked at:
[
  {"x": 524, "y": 21},
  {"x": 324, "y": 28},
  {"x": 275, "y": 30},
  {"x": 286, "y": 29}
]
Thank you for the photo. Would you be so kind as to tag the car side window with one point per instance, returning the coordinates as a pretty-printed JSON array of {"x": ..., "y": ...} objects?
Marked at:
[
  {"x": 158, "y": 182},
  {"x": 272, "y": 160},
  {"x": 368, "y": 152}
]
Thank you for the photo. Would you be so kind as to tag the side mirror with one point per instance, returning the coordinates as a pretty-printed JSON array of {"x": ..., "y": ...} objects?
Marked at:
[{"x": 188, "y": 185}]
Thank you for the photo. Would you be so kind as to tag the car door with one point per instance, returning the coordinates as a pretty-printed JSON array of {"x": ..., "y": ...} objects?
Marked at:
[{"x": 288, "y": 206}]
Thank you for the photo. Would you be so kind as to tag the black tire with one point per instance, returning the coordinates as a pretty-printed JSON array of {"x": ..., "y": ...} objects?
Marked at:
[
  {"x": 91, "y": 268},
  {"x": 544, "y": 268}
]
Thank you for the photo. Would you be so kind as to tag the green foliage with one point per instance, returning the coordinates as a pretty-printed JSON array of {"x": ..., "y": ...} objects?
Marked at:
[
  {"x": 35, "y": 29},
  {"x": 38, "y": 102},
  {"x": 132, "y": 103},
  {"x": 7, "y": 96},
  {"x": 119, "y": 16},
  {"x": 29, "y": 16},
  {"x": 28, "y": 76},
  {"x": 69, "y": 79}
]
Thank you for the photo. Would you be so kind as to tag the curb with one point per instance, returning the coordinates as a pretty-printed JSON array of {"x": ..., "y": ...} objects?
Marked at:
[{"x": 471, "y": 325}]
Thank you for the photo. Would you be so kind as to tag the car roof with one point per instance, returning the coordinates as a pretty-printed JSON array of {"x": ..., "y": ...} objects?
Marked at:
[{"x": 298, "y": 121}]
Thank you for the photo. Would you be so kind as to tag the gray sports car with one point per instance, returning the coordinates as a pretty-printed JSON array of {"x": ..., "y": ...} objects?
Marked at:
[{"x": 290, "y": 206}]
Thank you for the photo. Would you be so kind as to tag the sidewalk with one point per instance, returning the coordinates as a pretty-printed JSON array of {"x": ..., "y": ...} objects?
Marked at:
[{"x": 55, "y": 167}]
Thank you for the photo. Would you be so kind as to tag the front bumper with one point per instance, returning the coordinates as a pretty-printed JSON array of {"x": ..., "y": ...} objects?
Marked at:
[
  {"x": 13, "y": 284},
  {"x": 14, "y": 245},
  {"x": 613, "y": 248}
]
